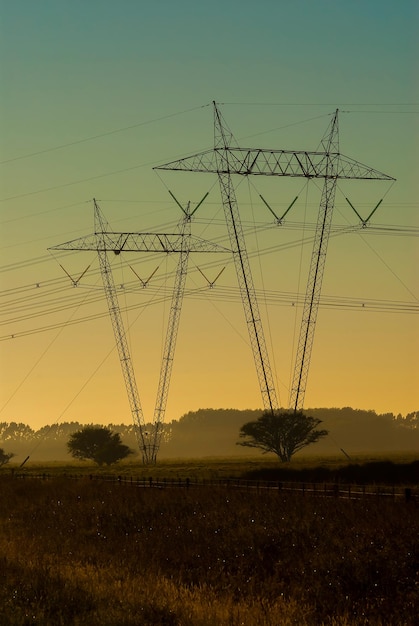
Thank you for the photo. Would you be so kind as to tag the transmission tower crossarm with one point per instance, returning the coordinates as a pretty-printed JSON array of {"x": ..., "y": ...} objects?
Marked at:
[
  {"x": 264, "y": 162},
  {"x": 140, "y": 242}
]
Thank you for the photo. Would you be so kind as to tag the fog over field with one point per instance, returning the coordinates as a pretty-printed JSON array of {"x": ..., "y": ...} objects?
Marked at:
[{"x": 214, "y": 432}]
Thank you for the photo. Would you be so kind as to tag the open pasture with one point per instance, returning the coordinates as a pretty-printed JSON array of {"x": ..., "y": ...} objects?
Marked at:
[
  {"x": 98, "y": 553},
  {"x": 207, "y": 467}
]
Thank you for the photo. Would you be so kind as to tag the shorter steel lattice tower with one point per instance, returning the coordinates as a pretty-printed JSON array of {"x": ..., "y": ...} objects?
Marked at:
[{"x": 104, "y": 241}]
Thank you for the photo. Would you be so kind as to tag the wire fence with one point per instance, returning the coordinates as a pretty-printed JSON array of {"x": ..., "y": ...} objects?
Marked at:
[{"x": 313, "y": 489}]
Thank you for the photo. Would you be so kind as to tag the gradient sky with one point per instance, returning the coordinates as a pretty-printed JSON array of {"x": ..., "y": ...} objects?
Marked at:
[{"x": 94, "y": 94}]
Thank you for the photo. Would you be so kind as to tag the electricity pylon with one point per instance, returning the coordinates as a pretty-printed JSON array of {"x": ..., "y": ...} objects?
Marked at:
[
  {"x": 226, "y": 159},
  {"x": 104, "y": 241}
]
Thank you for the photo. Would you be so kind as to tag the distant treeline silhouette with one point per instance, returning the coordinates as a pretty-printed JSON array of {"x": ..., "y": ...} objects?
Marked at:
[{"x": 215, "y": 432}]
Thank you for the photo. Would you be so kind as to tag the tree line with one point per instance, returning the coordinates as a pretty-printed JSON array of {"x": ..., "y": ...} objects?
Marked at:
[{"x": 216, "y": 432}]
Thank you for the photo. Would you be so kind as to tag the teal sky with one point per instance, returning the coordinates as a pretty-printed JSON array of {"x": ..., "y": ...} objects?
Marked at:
[{"x": 74, "y": 72}]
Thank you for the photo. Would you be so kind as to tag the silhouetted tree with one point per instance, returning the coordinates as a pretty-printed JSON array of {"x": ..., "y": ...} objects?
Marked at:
[
  {"x": 411, "y": 420},
  {"x": 98, "y": 444},
  {"x": 4, "y": 457},
  {"x": 282, "y": 432},
  {"x": 15, "y": 431}
]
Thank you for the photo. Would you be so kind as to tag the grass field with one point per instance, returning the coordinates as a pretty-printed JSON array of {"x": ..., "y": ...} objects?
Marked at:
[
  {"x": 207, "y": 467},
  {"x": 82, "y": 552}
]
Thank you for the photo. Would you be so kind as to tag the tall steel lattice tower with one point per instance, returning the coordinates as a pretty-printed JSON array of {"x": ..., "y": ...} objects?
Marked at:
[{"x": 328, "y": 164}]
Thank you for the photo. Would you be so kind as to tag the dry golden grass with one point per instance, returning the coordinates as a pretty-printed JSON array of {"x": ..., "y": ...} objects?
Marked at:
[
  {"x": 90, "y": 553},
  {"x": 207, "y": 467}
]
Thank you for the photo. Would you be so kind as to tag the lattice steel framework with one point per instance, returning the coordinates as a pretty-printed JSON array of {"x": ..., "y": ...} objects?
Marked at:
[
  {"x": 227, "y": 159},
  {"x": 171, "y": 334},
  {"x": 222, "y": 139},
  {"x": 330, "y": 145},
  {"x": 118, "y": 242},
  {"x": 101, "y": 228},
  {"x": 104, "y": 241}
]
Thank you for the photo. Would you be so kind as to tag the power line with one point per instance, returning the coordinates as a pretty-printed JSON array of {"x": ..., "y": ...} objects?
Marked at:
[
  {"x": 170, "y": 115},
  {"x": 61, "y": 208},
  {"x": 318, "y": 104},
  {"x": 389, "y": 230},
  {"x": 386, "y": 112},
  {"x": 221, "y": 294},
  {"x": 77, "y": 182},
  {"x": 151, "y": 163},
  {"x": 60, "y": 330},
  {"x": 104, "y": 134},
  {"x": 34, "y": 301}
]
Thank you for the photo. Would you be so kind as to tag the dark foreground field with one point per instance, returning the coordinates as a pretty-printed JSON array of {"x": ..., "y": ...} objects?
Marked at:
[{"x": 92, "y": 553}]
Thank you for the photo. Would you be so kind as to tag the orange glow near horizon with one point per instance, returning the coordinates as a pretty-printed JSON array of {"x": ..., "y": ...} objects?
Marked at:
[{"x": 88, "y": 115}]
